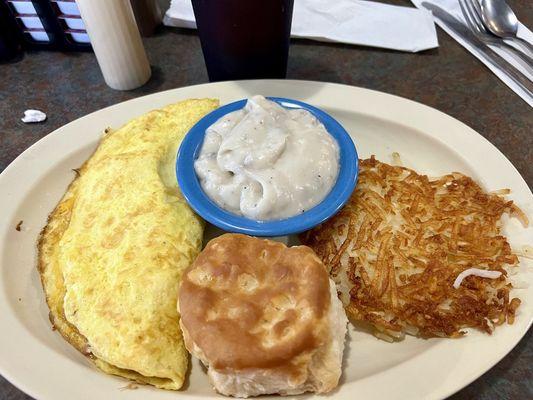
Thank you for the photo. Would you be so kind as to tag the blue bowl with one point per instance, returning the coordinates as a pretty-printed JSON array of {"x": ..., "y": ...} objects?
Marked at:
[{"x": 210, "y": 211}]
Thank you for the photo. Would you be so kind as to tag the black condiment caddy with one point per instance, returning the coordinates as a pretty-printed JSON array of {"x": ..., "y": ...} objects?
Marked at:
[{"x": 45, "y": 24}]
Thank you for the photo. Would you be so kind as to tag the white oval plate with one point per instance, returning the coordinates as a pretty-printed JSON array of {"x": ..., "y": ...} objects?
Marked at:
[{"x": 42, "y": 364}]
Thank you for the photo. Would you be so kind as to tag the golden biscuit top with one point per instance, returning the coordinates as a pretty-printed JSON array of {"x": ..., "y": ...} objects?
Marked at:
[{"x": 254, "y": 303}]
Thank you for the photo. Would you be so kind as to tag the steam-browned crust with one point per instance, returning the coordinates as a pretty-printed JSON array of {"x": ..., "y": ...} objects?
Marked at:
[
  {"x": 251, "y": 303},
  {"x": 396, "y": 248}
]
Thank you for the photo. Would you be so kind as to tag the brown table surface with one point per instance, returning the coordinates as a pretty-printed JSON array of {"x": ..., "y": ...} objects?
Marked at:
[{"x": 69, "y": 85}]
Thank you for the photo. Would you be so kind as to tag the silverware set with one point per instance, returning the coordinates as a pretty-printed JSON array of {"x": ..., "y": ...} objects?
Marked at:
[
  {"x": 500, "y": 19},
  {"x": 473, "y": 14},
  {"x": 491, "y": 22}
]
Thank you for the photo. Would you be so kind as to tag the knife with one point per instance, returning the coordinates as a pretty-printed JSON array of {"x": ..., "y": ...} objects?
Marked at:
[{"x": 489, "y": 55}]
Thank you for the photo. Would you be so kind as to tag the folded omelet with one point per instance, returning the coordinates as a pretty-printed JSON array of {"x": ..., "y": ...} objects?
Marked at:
[{"x": 113, "y": 251}]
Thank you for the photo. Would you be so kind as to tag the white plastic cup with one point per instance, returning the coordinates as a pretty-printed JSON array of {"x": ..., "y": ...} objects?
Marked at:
[{"x": 116, "y": 42}]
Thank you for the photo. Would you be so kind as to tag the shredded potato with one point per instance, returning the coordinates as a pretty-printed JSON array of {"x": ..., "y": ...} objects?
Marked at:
[{"x": 400, "y": 242}]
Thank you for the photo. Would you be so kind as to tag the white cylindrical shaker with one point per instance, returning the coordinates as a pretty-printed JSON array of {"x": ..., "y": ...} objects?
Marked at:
[{"x": 116, "y": 42}]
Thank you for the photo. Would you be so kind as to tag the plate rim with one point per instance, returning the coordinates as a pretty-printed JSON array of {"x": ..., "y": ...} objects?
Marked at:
[{"x": 400, "y": 102}]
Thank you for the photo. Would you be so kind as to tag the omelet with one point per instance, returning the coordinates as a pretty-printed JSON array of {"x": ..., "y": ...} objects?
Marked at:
[{"x": 113, "y": 251}]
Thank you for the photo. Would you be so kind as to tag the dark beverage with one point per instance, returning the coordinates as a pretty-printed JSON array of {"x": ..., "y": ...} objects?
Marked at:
[{"x": 244, "y": 39}]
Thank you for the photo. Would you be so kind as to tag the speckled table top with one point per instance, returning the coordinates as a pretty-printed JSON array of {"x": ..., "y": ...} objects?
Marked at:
[{"x": 69, "y": 85}]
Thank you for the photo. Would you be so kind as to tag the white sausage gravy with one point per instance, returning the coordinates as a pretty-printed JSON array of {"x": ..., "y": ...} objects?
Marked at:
[{"x": 267, "y": 162}]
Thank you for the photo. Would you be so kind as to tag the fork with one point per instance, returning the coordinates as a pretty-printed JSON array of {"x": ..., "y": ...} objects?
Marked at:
[{"x": 471, "y": 12}]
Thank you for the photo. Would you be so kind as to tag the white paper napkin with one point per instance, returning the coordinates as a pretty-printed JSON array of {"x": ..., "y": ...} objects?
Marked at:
[
  {"x": 358, "y": 22},
  {"x": 452, "y": 7}
]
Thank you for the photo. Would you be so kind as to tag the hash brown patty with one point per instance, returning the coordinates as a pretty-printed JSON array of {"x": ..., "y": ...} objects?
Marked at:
[{"x": 397, "y": 246}]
